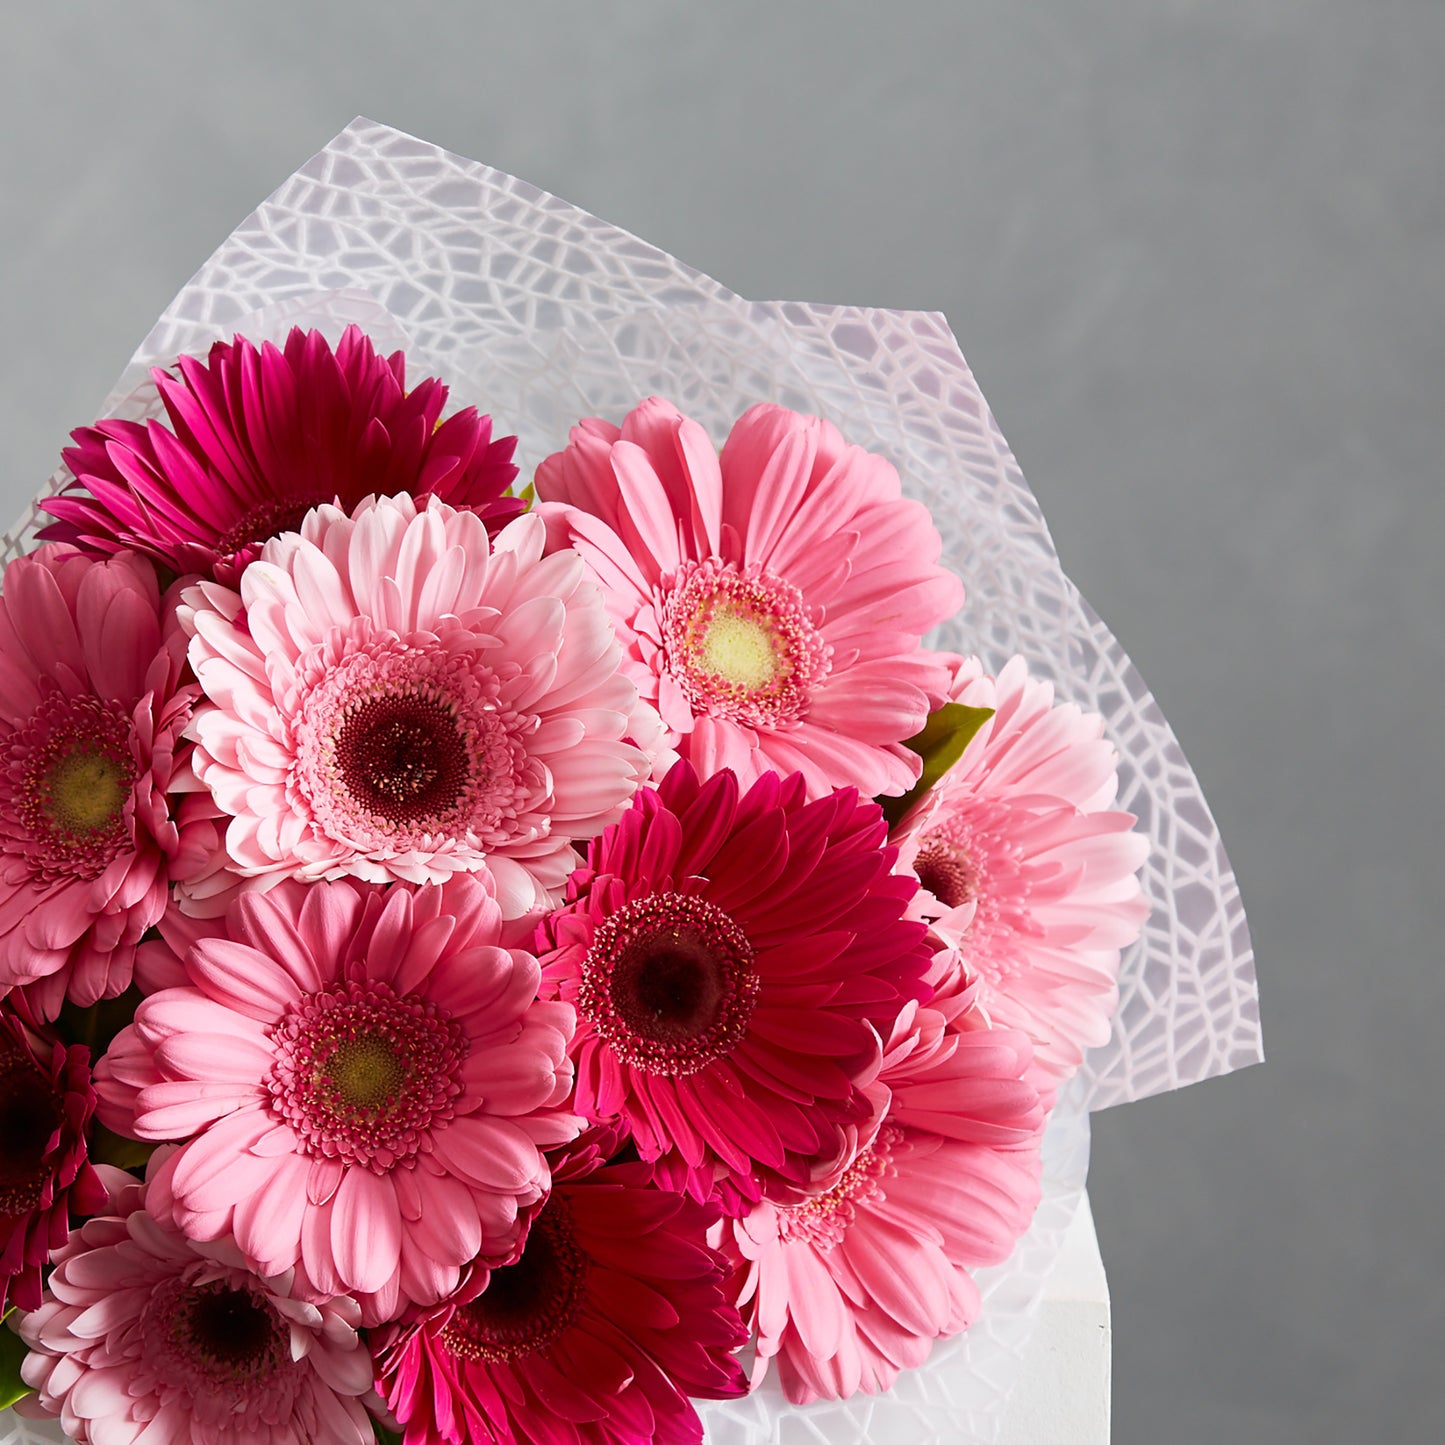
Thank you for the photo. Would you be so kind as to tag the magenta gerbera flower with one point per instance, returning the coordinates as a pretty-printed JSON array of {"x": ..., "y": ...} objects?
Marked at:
[
  {"x": 365, "y": 1081},
  {"x": 394, "y": 696},
  {"x": 147, "y": 1336},
  {"x": 851, "y": 1286},
  {"x": 613, "y": 1316},
  {"x": 769, "y": 601},
  {"x": 46, "y": 1100},
  {"x": 92, "y": 830},
  {"x": 1033, "y": 873},
  {"x": 729, "y": 955},
  {"x": 259, "y": 437}
]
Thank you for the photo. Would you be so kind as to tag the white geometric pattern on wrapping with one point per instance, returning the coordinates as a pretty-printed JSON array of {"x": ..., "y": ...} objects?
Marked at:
[{"x": 542, "y": 314}]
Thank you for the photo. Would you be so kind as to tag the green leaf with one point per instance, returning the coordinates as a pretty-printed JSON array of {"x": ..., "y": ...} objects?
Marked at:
[
  {"x": 528, "y": 494},
  {"x": 383, "y": 1435},
  {"x": 108, "y": 1147},
  {"x": 945, "y": 735},
  {"x": 12, "y": 1351}
]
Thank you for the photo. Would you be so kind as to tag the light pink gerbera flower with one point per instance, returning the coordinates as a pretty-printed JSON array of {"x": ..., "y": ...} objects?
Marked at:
[
  {"x": 770, "y": 601},
  {"x": 366, "y": 1082},
  {"x": 46, "y": 1100},
  {"x": 1034, "y": 875},
  {"x": 146, "y": 1336},
  {"x": 91, "y": 714},
  {"x": 729, "y": 955},
  {"x": 394, "y": 696},
  {"x": 613, "y": 1316},
  {"x": 259, "y": 437},
  {"x": 850, "y": 1287}
]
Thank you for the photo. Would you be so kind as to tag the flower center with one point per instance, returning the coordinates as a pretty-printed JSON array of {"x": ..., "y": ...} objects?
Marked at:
[
  {"x": 823, "y": 1220},
  {"x": 216, "y": 1342},
  {"x": 947, "y": 873},
  {"x": 362, "y": 1075},
  {"x": 525, "y": 1305},
  {"x": 669, "y": 984},
  {"x": 400, "y": 746},
  {"x": 68, "y": 782},
  {"x": 268, "y": 519},
  {"x": 741, "y": 649},
  {"x": 403, "y": 757},
  {"x": 977, "y": 855},
  {"x": 31, "y": 1110},
  {"x": 742, "y": 643}
]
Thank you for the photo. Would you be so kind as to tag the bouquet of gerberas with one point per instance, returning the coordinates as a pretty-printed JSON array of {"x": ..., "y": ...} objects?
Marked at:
[{"x": 505, "y": 962}]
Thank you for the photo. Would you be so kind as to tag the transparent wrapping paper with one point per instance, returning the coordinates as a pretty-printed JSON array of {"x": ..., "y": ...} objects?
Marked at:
[{"x": 541, "y": 314}]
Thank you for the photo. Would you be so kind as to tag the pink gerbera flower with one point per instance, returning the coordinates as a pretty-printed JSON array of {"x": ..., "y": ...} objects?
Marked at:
[
  {"x": 395, "y": 696},
  {"x": 729, "y": 955},
  {"x": 366, "y": 1081},
  {"x": 851, "y": 1286},
  {"x": 147, "y": 1336},
  {"x": 91, "y": 714},
  {"x": 46, "y": 1100},
  {"x": 1033, "y": 873},
  {"x": 613, "y": 1316},
  {"x": 259, "y": 437},
  {"x": 770, "y": 602}
]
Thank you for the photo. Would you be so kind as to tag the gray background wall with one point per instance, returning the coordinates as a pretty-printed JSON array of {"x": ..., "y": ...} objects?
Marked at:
[{"x": 1193, "y": 251}]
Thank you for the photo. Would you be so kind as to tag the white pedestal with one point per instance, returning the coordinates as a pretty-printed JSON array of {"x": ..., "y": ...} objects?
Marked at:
[{"x": 1062, "y": 1393}]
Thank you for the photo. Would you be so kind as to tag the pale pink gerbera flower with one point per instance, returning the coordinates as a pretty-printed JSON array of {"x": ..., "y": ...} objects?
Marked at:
[
  {"x": 46, "y": 1100},
  {"x": 730, "y": 955},
  {"x": 366, "y": 1082},
  {"x": 92, "y": 709},
  {"x": 1034, "y": 874},
  {"x": 146, "y": 1336},
  {"x": 613, "y": 1317},
  {"x": 257, "y": 437},
  {"x": 855, "y": 1284},
  {"x": 770, "y": 601},
  {"x": 394, "y": 696}
]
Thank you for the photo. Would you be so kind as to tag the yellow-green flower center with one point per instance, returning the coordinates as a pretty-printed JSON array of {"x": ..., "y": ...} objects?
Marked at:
[
  {"x": 741, "y": 643},
  {"x": 366, "y": 1072},
  {"x": 85, "y": 790},
  {"x": 741, "y": 649}
]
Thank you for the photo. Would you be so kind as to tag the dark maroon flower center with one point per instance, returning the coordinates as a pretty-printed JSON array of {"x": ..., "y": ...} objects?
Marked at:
[
  {"x": 403, "y": 757},
  {"x": 268, "y": 519},
  {"x": 231, "y": 1327},
  {"x": 946, "y": 873},
  {"x": 31, "y": 1110},
  {"x": 215, "y": 1339},
  {"x": 526, "y": 1305},
  {"x": 669, "y": 983}
]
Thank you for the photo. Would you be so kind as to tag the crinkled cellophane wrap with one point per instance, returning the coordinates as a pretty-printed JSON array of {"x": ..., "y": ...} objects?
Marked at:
[{"x": 541, "y": 314}]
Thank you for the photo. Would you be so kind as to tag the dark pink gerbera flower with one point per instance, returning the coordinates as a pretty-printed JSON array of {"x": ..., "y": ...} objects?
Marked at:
[
  {"x": 257, "y": 437},
  {"x": 612, "y": 1317},
  {"x": 729, "y": 956},
  {"x": 99, "y": 810},
  {"x": 46, "y": 1100}
]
